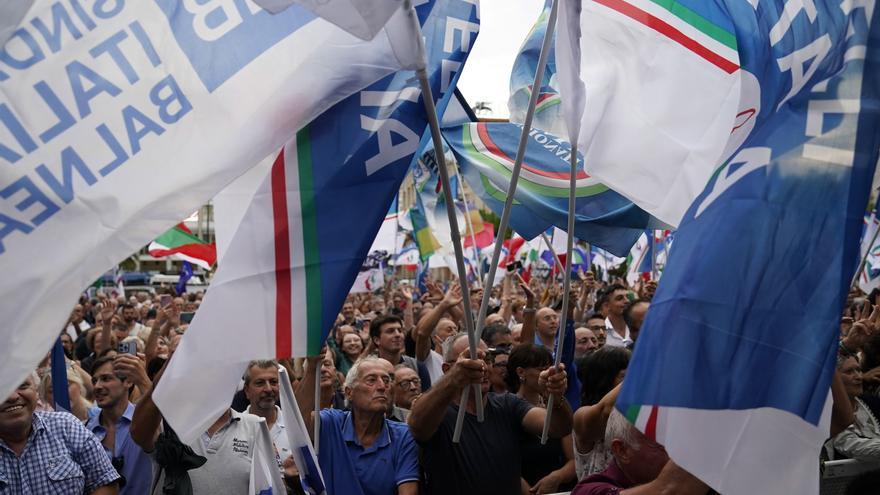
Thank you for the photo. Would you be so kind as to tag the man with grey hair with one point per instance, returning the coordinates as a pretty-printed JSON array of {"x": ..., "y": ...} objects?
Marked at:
[
  {"x": 361, "y": 451},
  {"x": 640, "y": 466},
  {"x": 261, "y": 389}
]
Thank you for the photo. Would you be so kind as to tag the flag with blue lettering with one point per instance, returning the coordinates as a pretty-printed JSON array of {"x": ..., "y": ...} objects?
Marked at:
[
  {"x": 734, "y": 362},
  {"x": 486, "y": 152},
  {"x": 309, "y": 226},
  {"x": 265, "y": 477},
  {"x": 117, "y": 119}
]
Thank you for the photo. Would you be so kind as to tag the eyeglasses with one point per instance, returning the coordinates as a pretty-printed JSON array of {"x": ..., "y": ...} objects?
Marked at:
[
  {"x": 596, "y": 327},
  {"x": 412, "y": 382}
]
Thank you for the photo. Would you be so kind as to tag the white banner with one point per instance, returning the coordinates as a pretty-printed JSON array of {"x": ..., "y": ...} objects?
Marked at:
[{"x": 120, "y": 118}]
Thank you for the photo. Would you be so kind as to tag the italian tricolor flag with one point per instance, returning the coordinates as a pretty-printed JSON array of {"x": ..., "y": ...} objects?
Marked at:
[{"x": 180, "y": 243}]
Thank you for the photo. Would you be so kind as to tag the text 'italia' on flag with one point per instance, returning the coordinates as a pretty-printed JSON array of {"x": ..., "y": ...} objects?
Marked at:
[
  {"x": 125, "y": 117},
  {"x": 735, "y": 358},
  {"x": 304, "y": 236}
]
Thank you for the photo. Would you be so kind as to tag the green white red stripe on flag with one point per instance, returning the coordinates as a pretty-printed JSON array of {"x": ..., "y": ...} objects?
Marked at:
[
  {"x": 180, "y": 243},
  {"x": 297, "y": 266},
  {"x": 482, "y": 149},
  {"x": 684, "y": 26}
]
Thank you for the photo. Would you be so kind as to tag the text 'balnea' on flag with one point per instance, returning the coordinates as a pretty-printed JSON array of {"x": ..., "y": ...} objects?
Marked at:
[
  {"x": 734, "y": 362},
  {"x": 305, "y": 234},
  {"x": 124, "y": 117}
]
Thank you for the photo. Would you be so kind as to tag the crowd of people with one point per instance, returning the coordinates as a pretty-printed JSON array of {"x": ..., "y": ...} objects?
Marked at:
[{"x": 391, "y": 379}]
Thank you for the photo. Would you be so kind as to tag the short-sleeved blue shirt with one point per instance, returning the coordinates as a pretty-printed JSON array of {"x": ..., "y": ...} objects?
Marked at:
[
  {"x": 136, "y": 465},
  {"x": 350, "y": 469},
  {"x": 61, "y": 456}
]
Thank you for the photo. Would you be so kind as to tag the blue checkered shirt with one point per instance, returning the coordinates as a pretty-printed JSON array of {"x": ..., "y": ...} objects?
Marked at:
[{"x": 61, "y": 456}]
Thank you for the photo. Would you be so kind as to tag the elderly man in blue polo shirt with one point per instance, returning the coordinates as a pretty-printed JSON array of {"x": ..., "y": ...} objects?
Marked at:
[
  {"x": 112, "y": 381},
  {"x": 361, "y": 452}
]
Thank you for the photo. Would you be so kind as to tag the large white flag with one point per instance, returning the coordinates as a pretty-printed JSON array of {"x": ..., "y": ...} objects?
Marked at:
[
  {"x": 298, "y": 436},
  {"x": 265, "y": 477},
  {"x": 362, "y": 18},
  {"x": 656, "y": 89},
  {"x": 119, "y": 119}
]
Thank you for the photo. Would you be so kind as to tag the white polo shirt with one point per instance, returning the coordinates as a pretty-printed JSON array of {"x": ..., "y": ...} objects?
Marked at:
[{"x": 613, "y": 339}]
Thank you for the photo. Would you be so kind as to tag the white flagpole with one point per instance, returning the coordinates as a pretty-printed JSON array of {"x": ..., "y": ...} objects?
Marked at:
[
  {"x": 511, "y": 190},
  {"x": 517, "y": 164},
  {"x": 566, "y": 285},
  {"x": 653, "y": 245},
  {"x": 470, "y": 226},
  {"x": 434, "y": 125}
]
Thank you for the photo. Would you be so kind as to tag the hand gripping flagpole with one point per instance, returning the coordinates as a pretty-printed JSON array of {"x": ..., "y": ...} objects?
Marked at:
[
  {"x": 511, "y": 190},
  {"x": 566, "y": 285},
  {"x": 434, "y": 124}
]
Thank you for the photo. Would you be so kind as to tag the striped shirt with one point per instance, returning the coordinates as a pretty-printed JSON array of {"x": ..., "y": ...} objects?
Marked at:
[{"x": 61, "y": 457}]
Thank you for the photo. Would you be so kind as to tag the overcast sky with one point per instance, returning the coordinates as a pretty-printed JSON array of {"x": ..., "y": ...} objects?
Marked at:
[{"x": 503, "y": 27}]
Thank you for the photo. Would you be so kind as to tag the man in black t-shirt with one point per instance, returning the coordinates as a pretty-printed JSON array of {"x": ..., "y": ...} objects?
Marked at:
[{"x": 489, "y": 456}]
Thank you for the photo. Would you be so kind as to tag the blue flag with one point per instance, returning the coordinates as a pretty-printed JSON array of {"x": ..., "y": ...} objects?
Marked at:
[
  {"x": 186, "y": 273},
  {"x": 548, "y": 111},
  {"x": 734, "y": 362},
  {"x": 486, "y": 153},
  {"x": 59, "y": 377}
]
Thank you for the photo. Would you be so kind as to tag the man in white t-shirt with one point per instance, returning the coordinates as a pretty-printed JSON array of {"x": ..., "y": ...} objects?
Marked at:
[
  {"x": 228, "y": 445},
  {"x": 612, "y": 303}
]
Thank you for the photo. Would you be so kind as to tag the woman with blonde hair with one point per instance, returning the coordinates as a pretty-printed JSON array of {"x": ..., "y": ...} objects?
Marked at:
[{"x": 79, "y": 406}]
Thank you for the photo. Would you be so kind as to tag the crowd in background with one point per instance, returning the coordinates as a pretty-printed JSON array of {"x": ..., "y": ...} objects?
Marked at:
[{"x": 391, "y": 377}]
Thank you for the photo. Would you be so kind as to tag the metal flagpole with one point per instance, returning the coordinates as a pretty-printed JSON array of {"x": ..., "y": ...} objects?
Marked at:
[
  {"x": 653, "y": 245},
  {"x": 864, "y": 261},
  {"x": 470, "y": 226},
  {"x": 566, "y": 285},
  {"x": 511, "y": 190},
  {"x": 434, "y": 125},
  {"x": 316, "y": 441}
]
